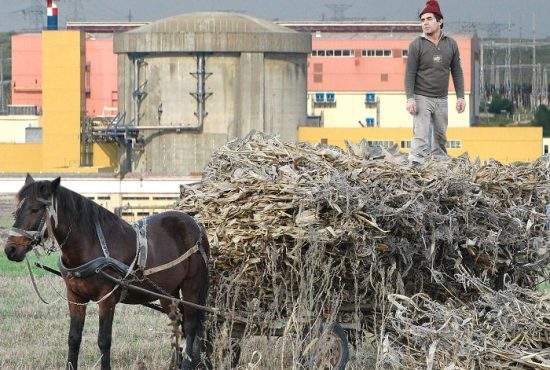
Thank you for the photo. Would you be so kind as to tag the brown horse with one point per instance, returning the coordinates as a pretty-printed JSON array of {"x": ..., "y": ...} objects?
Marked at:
[{"x": 92, "y": 239}]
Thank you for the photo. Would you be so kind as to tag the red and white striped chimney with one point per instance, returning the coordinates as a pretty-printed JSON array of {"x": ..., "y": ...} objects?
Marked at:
[{"x": 52, "y": 13}]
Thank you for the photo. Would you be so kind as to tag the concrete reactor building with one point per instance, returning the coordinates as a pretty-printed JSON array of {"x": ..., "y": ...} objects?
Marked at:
[{"x": 192, "y": 82}]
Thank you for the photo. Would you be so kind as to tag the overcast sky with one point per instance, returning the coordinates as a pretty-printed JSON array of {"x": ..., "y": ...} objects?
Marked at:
[{"x": 484, "y": 11}]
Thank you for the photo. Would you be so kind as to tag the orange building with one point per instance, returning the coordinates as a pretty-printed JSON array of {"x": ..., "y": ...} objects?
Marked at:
[
  {"x": 100, "y": 79},
  {"x": 26, "y": 69},
  {"x": 356, "y": 73}
]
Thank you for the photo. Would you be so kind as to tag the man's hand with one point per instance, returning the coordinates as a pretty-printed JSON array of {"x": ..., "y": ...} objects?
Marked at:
[
  {"x": 411, "y": 106},
  {"x": 460, "y": 105}
]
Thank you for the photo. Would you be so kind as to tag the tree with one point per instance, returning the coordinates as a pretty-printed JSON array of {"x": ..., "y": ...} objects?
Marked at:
[
  {"x": 499, "y": 104},
  {"x": 542, "y": 118}
]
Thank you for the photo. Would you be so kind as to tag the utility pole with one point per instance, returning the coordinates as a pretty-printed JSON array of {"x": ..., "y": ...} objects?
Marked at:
[
  {"x": 508, "y": 71},
  {"x": 1, "y": 80},
  {"x": 482, "y": 88},
  {"x": 129, "y": 15},
  {"x": 338, "y": 10},
  {"x": 544, "y": 94},
  {"x": 534, "y": 84}
]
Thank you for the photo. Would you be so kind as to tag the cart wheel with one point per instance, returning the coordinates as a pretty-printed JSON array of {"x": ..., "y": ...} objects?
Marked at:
[{"x": 333, "y": 353}]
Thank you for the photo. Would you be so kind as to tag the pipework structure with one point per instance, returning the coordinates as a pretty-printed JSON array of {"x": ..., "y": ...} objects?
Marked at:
[{"x": 190, "y": 83}]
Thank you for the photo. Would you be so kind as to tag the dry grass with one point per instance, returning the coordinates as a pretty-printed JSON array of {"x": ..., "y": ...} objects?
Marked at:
[{"x": 34, "y": 335}]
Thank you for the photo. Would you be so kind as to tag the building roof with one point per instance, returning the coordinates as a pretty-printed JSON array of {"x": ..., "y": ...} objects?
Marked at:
[
  {"x": 213, "y": 22},
  {"x": 212, "y": 32},
  {"x": 104, "y": 27},
  {"x": 354, "y": 26}
]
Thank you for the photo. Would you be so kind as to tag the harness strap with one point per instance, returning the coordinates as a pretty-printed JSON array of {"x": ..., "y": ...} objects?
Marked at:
[
  {"x": 140, "y": 228},
  {"x": 173, "y": 263},
  {"x": 101, "y": 238},
  {"x": 37, "y": 236},
  {"x": 90, "y": 268},
  {"x": 194, "y": 249}
]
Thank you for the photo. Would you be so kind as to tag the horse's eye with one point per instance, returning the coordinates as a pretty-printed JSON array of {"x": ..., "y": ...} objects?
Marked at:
[{"x": 35, "y": 210}]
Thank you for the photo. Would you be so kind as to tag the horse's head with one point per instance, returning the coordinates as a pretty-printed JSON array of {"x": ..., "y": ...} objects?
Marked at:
[{"x": 33, "y": 213}]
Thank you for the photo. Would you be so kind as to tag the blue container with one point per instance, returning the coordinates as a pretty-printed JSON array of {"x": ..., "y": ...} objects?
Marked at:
[{"x": 53, "y": 23}]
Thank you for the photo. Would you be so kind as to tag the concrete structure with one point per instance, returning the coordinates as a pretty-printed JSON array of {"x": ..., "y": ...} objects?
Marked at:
[
  {"x": 215, "y": 76},
  {"x": 505, "y": 144}
]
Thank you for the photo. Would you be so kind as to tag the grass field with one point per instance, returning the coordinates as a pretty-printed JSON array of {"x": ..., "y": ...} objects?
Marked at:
[{"x": 34, "y": 335}]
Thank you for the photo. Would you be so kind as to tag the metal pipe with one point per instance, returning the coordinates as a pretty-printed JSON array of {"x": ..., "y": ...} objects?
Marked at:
[
  {"x": 135, "y": 92},
  {"x": 200, "y": 89},
  {"x": 162, "y": 128}
]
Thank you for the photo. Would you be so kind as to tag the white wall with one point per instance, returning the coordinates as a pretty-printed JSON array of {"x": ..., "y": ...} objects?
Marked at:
[
  {"x": 12, "y": 128},
  {"x": 350, "y": 108}
]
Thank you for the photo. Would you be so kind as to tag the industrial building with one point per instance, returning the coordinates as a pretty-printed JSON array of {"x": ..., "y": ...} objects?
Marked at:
[
  {"x": 357, "y": 69},
  {"x": 192, "y": 82}
]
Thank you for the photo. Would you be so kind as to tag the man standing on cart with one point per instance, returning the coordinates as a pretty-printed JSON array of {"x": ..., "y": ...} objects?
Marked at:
[{"x": 430, "y": 59}]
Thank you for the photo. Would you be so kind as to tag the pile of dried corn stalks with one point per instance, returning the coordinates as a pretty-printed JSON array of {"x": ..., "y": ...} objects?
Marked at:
[
  {"x": 376, "y": 225},
  {"x": 507, "y": 329}
]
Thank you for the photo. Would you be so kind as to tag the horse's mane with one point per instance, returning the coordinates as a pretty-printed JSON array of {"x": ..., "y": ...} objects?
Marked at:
[{"x": 81, "y": 211}]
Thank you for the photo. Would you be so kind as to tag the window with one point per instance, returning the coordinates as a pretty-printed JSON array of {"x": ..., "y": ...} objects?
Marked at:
[
  {"x": 384, "y": 77},
  {"x": 324, "y": 141},
  {"x": 329, "y": 53},
  {"x": 381, "y": 143},
  {"x": 379, "y": 53},
  {"x": 363, "y": 53},
  {"x": 346, "y": 53},
  {"x": 404, "y": 53},
  {"x": 405, "y": 144},
  {"x": 320, "y": 53},
  {"x": 314, "y": 53},
  {"x": 337, "y": 53},
  {"x": 387, "y": 53},
  {"x": 546, "y": 149},
  {"x": 454, "y": 144}
]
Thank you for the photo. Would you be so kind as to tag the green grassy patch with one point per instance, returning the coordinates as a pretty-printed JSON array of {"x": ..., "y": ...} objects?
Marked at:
[
  {"x": 12, "y": 269},
  {"x": 6, "y": 221},
  {"x": 34, "y": 335}
]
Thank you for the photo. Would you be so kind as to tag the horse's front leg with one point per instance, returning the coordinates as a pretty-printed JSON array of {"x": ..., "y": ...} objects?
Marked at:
[
  {"x": 106, "y": 314},
  {"x": 77, "y": 312}
]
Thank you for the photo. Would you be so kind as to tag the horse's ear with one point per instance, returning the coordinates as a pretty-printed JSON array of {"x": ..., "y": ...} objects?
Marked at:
[
  {"x": 28, "y": 179},
  {"x": 55, "y": 184}
]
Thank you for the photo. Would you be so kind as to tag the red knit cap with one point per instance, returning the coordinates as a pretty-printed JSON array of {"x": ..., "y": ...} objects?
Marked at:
[{"x": 432, "y": 6}]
